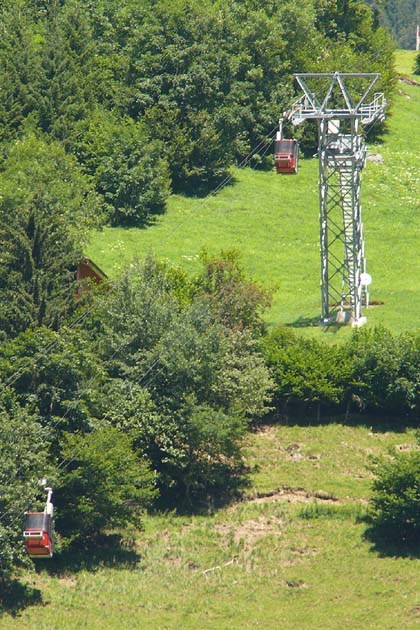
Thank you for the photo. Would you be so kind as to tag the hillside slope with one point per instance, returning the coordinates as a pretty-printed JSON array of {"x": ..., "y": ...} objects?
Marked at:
[
  {"x": 294, "y": 553},
  {"x": 273, "y": 221}
]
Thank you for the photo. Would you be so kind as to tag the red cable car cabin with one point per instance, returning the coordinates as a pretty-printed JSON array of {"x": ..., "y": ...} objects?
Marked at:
[
  {"x": 286, "y": 155},
  {"x": 37, "y": 534}
]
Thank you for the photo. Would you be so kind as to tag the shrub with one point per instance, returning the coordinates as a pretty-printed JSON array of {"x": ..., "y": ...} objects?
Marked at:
[
  {"x": 387, "y": 368},
  {"x": 200, "y": 382},
  {"x": 395, "y": 505},
  {"x": 127, "y": 168},
  {"x": 23, "y": 460},
  {"x": 104, "y": 484},
  {"x": 307, "y": 371}
]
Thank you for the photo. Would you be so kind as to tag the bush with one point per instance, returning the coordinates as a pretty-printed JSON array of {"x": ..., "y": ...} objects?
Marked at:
[
  {"x": 23, "y": 461},
  {"x": 56, "y": 375},
  {"x": 387, "y": 368},
  {"x": 201, "y": 383},
  {"x": 127, "y": 168},
  {"x": 307, "y": 372},
  {"x": 236, "y": 301},
  {"x": 104, "y": 484},
  {"x": 395, "y": 505}
]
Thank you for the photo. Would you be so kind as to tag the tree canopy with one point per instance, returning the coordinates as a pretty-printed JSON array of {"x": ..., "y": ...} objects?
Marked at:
[
  {"x": 169, "y": 94},
  {"x": 107, "y": 106}
]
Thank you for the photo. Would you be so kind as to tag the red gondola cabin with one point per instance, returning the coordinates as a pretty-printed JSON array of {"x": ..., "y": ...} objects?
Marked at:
[
  {"x": 286, "y": 155},
  {"x": 37, "y": 534}
]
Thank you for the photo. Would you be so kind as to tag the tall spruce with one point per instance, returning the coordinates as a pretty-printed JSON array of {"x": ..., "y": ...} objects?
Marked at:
[
  {"x": 18, "y": 67},
  {"x": 45, "y": 208}
]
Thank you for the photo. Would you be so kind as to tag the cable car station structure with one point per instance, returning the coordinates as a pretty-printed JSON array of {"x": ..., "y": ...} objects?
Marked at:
[{"x": 337, "y": 101}]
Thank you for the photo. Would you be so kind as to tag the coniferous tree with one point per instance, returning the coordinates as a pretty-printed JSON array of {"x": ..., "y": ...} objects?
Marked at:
[
  {"x": 18, "y": 66},
  {"x": 64, "y": 82},
  {"x": 45, "y": 208}
]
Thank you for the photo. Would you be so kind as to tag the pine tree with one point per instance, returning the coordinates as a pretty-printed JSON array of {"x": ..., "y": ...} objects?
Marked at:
[
  {"x": 64, "y": 82},
  {"x": 45, "y": 208},
  {"x": 18, "y": 65}
]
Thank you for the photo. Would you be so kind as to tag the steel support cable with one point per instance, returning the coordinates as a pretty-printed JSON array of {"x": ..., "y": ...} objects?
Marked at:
[
  {"x": 157, "y": 359},
  {"x": 244, "y": 162}
]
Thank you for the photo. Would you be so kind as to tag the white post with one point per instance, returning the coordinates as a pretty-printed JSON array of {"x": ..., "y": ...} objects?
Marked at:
[{"x": 418, "y": 37}]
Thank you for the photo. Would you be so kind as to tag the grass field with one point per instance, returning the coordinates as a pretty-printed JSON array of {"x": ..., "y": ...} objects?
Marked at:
[
  {"x": 293, "y": 555},
  {"x": 405, "y": 62},
  {"x": 273, "y": 221}
]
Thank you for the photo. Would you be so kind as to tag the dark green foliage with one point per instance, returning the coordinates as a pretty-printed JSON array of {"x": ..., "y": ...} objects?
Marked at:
[
  {"x": 64, "y": 82},
  {"x": 375, "y": 371},
  {"x": 18, "y": 62},
  {"x": 308, "y": 372},
  {"x": 104, "y": 483},
  {"x": 387, "y": 367},
  {"x": 23, "y": 460},
  {"x": 191, "y": 384},
  {"x": 194, "y": 449},
  {"x": 45, "y": 209},
  {"x": 208, "y": 79},
  {"x": 236, "y": 302},
  {"x": 401, "y": 17},
  {"x": 395, "y": 503},
  {"x": 127, "y": 166},
  {"x": 55, "y": 374}
]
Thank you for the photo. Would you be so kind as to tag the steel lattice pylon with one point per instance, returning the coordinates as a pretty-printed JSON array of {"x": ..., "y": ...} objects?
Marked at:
[{"x": 342, "y": 156}]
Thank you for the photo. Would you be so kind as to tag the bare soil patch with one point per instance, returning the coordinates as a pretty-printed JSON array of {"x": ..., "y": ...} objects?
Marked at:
[{"x": 292, "y": 495}]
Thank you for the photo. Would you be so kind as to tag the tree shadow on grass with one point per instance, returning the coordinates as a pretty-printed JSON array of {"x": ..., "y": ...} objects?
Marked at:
[
  {"x": 298, "y": 415},
  {"x": 15, "y": 596},
  {"x": 232, "y": 483},
  {"x": 387, "y": 545},
  {"x": 111, "y": 551},
  {"x": 315, "y": 322},
  {"x": 304, "y": 322},
  {"x": 196, "y": 188}
]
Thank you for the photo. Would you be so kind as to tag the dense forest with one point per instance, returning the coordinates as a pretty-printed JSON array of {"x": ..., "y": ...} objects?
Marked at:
[
  {"x": 137, "y": 394},
  {"x": 401, "y": 18}
]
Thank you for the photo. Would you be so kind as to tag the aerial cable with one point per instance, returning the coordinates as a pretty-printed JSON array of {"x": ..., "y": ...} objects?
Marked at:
[
  {"x": 114, "y": 284},
  {"x": 66, "y": 462}
]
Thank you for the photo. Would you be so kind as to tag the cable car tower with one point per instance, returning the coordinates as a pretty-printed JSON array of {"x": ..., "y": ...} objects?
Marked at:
[{"x": 337, "y": 101}]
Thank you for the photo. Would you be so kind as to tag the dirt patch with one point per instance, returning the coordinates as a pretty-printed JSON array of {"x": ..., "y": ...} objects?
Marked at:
[
  {"x": 67, "y": 581},
  {"x": 292, "y": 495},
  {"x": 408, "y": 81},
  {"x": 252, "y": 530}
]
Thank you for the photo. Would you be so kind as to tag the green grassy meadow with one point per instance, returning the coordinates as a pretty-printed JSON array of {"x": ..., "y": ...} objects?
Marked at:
[
  {"x": 293, "y": 554},
  {"x": 405, "y": 61},
  {"x": 272, "y": 221}
]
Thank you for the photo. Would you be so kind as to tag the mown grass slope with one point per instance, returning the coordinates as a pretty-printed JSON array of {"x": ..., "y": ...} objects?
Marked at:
[
  {"x": 272, "y": 221},
  {"x": 292, "y": 555}
]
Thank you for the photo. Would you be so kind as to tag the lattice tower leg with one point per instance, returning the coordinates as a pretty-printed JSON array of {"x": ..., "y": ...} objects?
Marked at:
[{"x": 341, "y": 158}]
